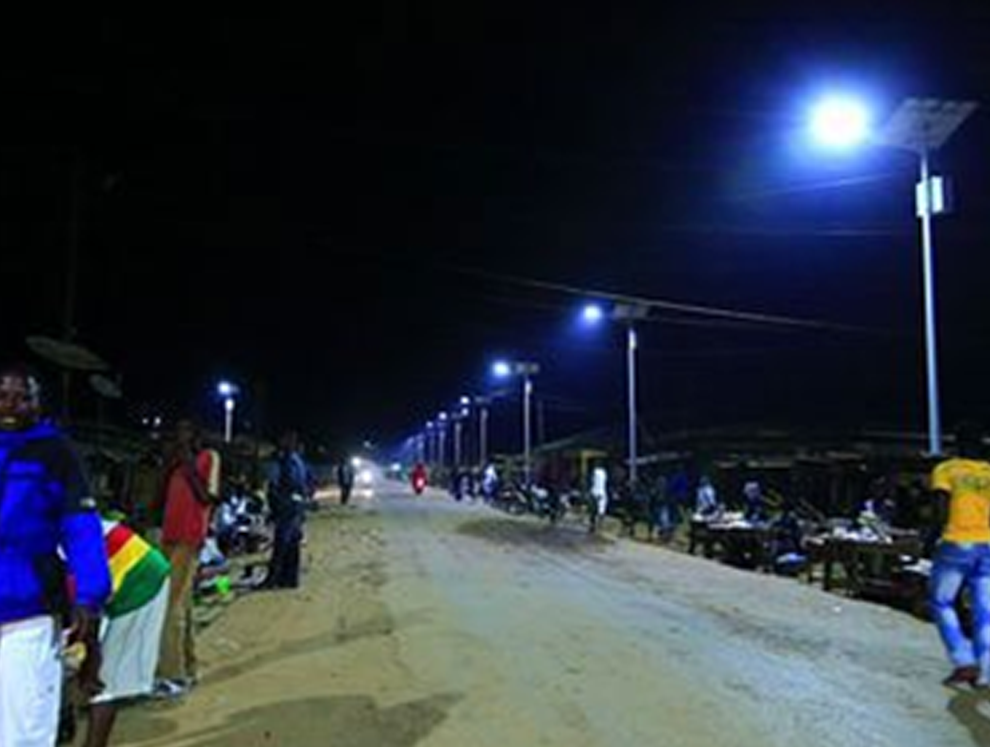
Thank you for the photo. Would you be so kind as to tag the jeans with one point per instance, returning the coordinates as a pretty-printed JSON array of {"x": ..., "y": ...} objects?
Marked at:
[{"x": 957, "y": 565}]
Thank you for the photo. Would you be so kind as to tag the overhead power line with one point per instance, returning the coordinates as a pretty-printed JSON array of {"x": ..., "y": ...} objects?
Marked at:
[{"x": 678, "y": 307}]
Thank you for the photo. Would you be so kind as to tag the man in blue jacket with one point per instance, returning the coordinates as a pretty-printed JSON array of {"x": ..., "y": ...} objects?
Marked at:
[
  {"x": 286, "y": 501},
  {"x": 46, "y": 513}
]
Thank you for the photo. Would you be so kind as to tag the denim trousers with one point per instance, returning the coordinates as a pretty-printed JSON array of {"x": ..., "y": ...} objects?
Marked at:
[{"x": 957, "y": 566}]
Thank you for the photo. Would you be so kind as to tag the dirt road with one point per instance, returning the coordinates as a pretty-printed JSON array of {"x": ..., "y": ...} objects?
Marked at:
[{"x": 425, "y": 622}]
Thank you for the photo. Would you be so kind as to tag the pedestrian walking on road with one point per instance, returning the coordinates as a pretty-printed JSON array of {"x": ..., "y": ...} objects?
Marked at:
[
  {"x": 47, "y": 507},
  {"x": 599, "y": 498},
  {"x": 962, "y": 557}
]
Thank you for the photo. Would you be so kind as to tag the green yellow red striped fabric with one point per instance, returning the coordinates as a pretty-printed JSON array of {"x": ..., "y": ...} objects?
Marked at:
[{"x": 137, "y": 568}]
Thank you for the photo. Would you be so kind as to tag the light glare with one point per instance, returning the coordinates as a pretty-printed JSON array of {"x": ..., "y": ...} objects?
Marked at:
[
  {"x": 840, "y": 122},
  {"x": 592, "y": 314}
]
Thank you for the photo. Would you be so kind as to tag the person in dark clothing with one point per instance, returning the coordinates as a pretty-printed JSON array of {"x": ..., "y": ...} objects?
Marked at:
[
  {"x": 345, "y": 479},
  {"x": 787, "y": 542},
  {"x": 287, "y": 503}
]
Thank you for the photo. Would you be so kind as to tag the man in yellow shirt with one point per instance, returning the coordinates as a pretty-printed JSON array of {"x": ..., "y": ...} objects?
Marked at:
[{"x": 962, "y": 558}]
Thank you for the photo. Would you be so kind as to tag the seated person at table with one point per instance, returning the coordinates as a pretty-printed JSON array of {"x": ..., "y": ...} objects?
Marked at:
[
  {"x": 706, "y": 503},
  {"x": 754, "y": 505},
  {"x": 787, "y": 547}
]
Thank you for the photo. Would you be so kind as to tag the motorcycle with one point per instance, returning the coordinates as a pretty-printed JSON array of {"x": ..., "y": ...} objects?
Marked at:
[
  {"x": 418, "y": 484},
  {"x": 547, "y": 504}
]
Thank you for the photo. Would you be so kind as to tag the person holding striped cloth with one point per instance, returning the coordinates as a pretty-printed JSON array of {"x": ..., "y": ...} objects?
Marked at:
[{"x": 132, "y": 626}]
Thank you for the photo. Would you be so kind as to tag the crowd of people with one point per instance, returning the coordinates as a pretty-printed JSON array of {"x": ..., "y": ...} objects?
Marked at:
[
  {"x": 83, "y": 593},
  {"x": 955, "y": 532},
  {"x": 87, "y": 600}
]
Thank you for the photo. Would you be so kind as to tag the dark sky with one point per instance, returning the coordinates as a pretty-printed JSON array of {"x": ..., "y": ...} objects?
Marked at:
[{"x": 342, "y": 212}]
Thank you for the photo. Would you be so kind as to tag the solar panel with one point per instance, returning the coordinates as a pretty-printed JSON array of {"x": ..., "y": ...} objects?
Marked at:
[{"x": 925, "y": 124}]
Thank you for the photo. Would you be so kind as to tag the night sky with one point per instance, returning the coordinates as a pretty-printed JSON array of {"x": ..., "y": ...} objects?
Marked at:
[{"x": 353, "y": 214}]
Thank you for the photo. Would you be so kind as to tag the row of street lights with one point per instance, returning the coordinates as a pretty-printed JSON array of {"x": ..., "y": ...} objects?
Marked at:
[{"x": 921, "y": 126}]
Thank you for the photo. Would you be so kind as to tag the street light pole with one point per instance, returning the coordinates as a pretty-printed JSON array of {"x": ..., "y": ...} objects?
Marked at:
[
  {"x": 527, "y": 432},
  {"x": 526, "y": 370},
  {"x": 442, "y": 445},
  {"x": 228, "y": 420},
  {"x": 228, "y": 391},
  {"x": 457, "y": 442},
  {"x": 922, "y": 126},
  {"x": 483, "y": 434},
  {"x": 928, "y": 267},
  {"x": 631, "y": 313},
  {"x": 631, "y": 345}
]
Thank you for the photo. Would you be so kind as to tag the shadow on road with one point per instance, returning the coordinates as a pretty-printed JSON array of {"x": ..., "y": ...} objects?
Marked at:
[
  {"x": 346, "y": 632},
  {"x": 521, "y": 532},
  {"x": 346, "y": 721},
  {"x": 972, "y": 710}
]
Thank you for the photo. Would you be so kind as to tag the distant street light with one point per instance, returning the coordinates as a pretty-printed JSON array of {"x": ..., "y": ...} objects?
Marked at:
[
  {"x": 526, "y": 370},
  {"x": 920, "y": 126},
  {"x": 228, "y": 393},
  {"x": 629, "y": 313}
]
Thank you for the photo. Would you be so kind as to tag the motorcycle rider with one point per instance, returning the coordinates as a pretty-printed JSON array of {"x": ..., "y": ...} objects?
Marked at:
[{"x": 418, "y": 477}]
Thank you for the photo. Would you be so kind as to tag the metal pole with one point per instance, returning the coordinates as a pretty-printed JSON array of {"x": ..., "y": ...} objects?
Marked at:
[
  {"x": 457, "y": 444},
  {"x": 228, "y": 419},
  {"x": 442, "y": 446},
  {"x": 483, "y": 436},
  {"x": 631, "y": 366},
  {"x": 527, "y": 396},
  {"x": 931, "y": 353}
]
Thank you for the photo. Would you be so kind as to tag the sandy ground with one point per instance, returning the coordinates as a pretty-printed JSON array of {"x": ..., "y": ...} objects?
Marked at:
[{"x": 425, "y": 622}]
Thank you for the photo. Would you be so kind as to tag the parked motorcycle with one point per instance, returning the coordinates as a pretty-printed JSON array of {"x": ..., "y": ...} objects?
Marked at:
[{"x": 547, "y": 504}]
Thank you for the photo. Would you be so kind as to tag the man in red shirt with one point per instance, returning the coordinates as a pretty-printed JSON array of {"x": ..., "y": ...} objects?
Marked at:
[{"x": 192, "y": 485}]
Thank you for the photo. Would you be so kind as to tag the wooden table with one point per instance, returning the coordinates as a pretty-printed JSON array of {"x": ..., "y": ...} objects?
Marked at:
[
  {"x": 747, "y": 546},
  {"x": 871, "y": 568}
]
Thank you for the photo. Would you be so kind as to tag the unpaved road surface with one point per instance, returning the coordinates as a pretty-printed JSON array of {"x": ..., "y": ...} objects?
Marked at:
[{"x": 425, "y": 622}]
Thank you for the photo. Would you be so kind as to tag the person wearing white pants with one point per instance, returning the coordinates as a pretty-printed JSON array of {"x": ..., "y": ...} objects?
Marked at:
[
  {"x": 31, "y": 685},
  {"x": 49, "y": 529}
]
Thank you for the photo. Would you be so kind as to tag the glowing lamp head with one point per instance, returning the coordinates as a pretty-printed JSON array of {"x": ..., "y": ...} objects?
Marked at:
[
  {"x": 592, "y": 314},
  {"x": 226, "y": 389},
  {"x": 501, "y": 369},
  {"x": 840, "y": 122}
]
